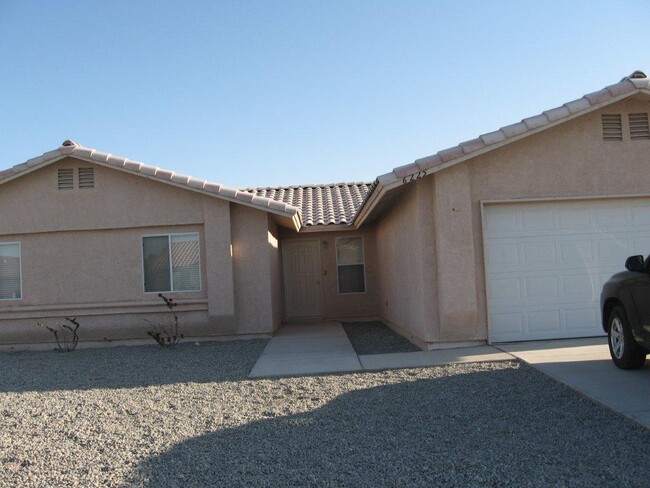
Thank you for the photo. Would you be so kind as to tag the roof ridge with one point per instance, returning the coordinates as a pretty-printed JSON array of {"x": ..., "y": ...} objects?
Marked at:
[{"x": 308, "y": 185}]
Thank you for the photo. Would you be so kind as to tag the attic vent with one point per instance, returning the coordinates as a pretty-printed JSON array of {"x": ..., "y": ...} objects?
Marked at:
[
  {"x": 612, "y": 128},
  {"x": 86, "y": 178},
  {"x": 639, "y": 126},
  {"x": 66, "y": 179}
]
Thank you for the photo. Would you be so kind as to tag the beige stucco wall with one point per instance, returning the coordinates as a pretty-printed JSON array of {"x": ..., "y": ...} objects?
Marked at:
[
  {"x": 569, "y": 160},
  {"x": 407, "y": 266},
  {"x": 344, "y": 305},
  {"x": 82, "y": 256},
  {"x": 256, "y": 259},
  {"x": 275, "y": 263}
]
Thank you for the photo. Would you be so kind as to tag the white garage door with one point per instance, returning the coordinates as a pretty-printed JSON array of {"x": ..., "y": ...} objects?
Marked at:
[{"x": 546, "y": 263}]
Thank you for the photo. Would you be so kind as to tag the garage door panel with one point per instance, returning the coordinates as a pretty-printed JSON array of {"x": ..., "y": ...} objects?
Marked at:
[
  {"x": 544, "y": 321},
  {"x": 580, "y": 318},
  {"x": 502, "y": 254},
  {"x": 542, "y": 288},
  {"x": 574, "y": 219},
  {"x": 546, "y": 263},
  {"x": 576, "y": 251},
  {"x": 539, "y": 253},
  {"x": 579, "y": 287},
  {"x": 537, "y": 220},
  {"x": 504, "y": 290}
]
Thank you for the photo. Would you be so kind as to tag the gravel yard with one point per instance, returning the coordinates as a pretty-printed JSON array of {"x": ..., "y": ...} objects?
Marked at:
[
  {"x": 142, "y": 416},
  {"x": 376, "y": 338}
]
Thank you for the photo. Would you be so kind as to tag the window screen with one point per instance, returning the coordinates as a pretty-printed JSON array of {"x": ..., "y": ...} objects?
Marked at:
[
  {"x": 171, "y": 263},
  {"x": 10, "y": 286},
  {"x": 351, "y": 268}
]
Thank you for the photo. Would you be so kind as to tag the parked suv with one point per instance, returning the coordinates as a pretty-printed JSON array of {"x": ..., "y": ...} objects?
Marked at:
[{"x": 625, "y": 306}]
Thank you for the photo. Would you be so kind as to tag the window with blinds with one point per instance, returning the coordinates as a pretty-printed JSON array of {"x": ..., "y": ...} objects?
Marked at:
[
  {"x": 639, "y": 126},
  {"x": 171, "y": 263},
  {"x": 612, "y": 127},
  {"x": 10, "y": 274},
  {"x": 350, "y": 264}
]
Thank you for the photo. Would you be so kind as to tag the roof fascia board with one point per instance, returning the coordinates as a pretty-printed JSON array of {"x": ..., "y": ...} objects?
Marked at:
[
  {"x": 186, "y": 187},
  {"x": 380, "y": 190},
  {"x": 65, "y": 152},
  {"x": 327, "y": 228},
  {"x": 529, "y": 133},
  {"x": 31, "y": 168},
  {"x": 391, "y": 181}
]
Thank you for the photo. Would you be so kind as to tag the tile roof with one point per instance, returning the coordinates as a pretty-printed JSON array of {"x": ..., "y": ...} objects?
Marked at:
[
  {"x": 634, "y": 83},
  {"x": 637, "y": 82},
  {"x": 336, "y": 203},
  {"x": 73, "y": 149}
]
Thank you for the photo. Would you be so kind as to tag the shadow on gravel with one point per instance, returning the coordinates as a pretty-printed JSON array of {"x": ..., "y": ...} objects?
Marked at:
[
  {"x": 510, "y": 427},
  {"x": 128, "y": 367}
]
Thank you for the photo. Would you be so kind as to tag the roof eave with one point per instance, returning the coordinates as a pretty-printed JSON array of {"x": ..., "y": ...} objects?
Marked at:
[
  {"x": 391, "y": 181},
  {"x": 150, "y": 172}
]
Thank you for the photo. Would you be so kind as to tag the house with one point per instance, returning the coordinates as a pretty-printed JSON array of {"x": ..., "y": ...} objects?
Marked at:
[{"x": 505, "y": 237}]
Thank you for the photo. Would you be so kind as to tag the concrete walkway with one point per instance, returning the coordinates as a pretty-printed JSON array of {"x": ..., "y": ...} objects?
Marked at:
[
  {"x": 307, "y": 349},
  {"x": 325, "y": 348},
  {"x": 585, "y": 366}
]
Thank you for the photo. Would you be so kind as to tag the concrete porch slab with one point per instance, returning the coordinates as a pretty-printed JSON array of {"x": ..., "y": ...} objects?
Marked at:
[
  {"x": 300, "y": 349},
  {"x": 433, "y": 358},
  {"x": 585, "y": 366}
]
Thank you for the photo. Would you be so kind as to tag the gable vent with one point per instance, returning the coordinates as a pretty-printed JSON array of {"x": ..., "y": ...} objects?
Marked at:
[
  {"x": 66, "y": 179},
  {"x": 86, "y": 177},
  {"x": 639, "y": 126},
  {"x": 612, "y": 127}
]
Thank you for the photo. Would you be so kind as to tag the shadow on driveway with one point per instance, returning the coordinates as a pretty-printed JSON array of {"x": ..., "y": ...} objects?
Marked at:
[
  {"x": 508, "y": 427},
  {"x": 128, "y": 367}
]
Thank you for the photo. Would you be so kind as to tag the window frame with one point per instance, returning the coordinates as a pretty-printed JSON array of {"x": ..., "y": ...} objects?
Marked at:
[
  {"x": 171, "y": 268},
  {"x": 20, "y": 268},
  {"x": 363, "y": 263}
]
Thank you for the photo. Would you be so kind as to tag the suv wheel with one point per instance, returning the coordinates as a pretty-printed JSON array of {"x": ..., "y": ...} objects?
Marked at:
[{"x": 624, "y": 350}]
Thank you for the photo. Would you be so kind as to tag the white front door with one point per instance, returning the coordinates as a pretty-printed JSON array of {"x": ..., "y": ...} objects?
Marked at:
[
  {"x": 546, "y": 263},
  {"x": 302, "y": 278}
]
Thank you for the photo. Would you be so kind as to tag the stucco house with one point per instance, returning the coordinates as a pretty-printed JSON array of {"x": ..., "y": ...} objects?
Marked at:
[{"x": 505, "y": 237}]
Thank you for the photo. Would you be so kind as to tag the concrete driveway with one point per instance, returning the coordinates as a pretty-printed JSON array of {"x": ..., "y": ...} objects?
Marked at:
[{"x": 585, "y": 365}]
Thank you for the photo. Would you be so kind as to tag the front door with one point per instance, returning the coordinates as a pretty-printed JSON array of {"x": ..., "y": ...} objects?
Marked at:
[{"x": 302, "y": 278}]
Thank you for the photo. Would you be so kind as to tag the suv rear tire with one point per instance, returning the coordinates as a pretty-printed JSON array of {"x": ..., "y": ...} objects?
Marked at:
[{"x": 623, "y": 349}]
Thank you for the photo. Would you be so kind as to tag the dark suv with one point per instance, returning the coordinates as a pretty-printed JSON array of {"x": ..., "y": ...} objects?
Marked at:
[{"x": 625, "y": 306}]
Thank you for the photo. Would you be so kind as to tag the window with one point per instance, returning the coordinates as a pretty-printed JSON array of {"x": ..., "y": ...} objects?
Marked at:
[
  {"x": 171, "y": 263},
  {"x": 349, "y": 260},
  {"x": 10, "y": 282}
]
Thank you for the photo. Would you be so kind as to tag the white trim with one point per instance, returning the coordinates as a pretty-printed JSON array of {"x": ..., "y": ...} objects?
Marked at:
[
  {"x": 363, "y": 263},
  {"x": 20, "y": 269},
  {"x": 484, "y": 203},
  {"x": 565, "y": 198},
  {"x": 171, "y": 269},
  {"x": 485, "y": 276}
]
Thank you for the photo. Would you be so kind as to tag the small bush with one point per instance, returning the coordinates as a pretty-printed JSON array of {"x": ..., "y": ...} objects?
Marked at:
[
  {"x": 65, "y": 335},
  {"x": 166, "y": 334}
]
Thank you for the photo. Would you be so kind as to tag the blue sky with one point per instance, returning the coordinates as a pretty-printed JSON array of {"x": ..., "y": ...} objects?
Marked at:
[{"x": 272, "y": 93}]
